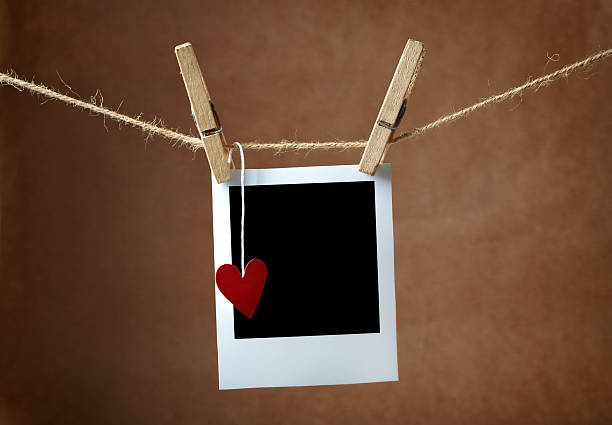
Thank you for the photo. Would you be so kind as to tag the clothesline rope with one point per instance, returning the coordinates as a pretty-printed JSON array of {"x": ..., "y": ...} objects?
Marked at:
[{"x": 155, "y": 129}]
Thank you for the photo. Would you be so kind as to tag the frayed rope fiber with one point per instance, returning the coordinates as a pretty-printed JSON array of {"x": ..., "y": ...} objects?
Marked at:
[{"x": 194, "y": 143}]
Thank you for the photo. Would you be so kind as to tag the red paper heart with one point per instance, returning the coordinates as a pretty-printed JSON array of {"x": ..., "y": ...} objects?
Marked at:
[{"x": 245, "y": 291}]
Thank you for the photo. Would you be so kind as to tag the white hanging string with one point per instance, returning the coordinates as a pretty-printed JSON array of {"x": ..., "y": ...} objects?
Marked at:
[{"x": 242, "y": 167}]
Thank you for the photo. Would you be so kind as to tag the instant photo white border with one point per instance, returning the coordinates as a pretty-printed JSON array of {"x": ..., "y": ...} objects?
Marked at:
[{"x": 307, "y": 360}]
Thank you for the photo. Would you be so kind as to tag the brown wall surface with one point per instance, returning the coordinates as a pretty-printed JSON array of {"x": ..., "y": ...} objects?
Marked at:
[{"x": 503, "y": 221}]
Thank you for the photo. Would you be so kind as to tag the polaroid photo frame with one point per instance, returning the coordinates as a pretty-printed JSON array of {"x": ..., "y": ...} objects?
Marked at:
[{"x": 327, "y": 313}]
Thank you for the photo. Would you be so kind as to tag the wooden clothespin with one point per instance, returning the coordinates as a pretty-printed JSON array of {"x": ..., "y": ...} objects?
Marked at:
[
  {"x": 393, "y": 107},
  {"x": 203, "y": 111}
]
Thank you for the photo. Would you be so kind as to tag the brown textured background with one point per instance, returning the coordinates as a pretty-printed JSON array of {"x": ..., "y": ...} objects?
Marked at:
[{"x": 503, "y": 221}]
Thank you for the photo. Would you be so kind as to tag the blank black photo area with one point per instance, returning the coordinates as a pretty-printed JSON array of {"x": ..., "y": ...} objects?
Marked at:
[{"x": 318, "y": 241}]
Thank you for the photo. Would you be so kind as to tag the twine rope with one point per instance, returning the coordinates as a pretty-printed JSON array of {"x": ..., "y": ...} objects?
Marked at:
[
  {"x": 509, "y": 94},
  {"x": 152, "y": 128}
]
